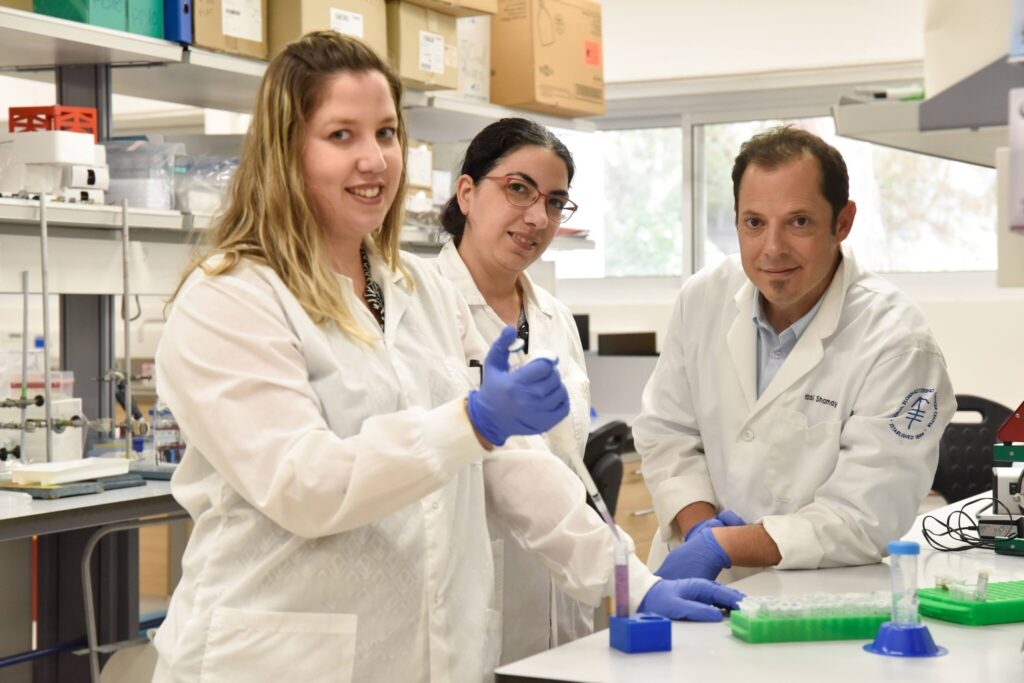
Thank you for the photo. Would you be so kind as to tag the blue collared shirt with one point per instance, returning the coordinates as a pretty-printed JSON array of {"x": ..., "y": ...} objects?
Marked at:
[{"x": 774, "y": 347}]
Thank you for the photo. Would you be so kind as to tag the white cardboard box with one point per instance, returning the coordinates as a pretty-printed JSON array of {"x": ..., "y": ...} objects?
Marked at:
[{"x": 49, "y": 147}]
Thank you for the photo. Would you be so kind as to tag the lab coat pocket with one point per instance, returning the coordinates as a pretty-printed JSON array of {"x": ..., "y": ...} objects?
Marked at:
[
  {"x": 800, "y": 458},
  {"x": 250, "y": 645}
]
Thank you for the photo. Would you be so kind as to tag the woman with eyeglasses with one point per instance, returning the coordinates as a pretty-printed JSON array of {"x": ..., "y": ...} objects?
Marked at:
[{"x": 510, "y": 197}]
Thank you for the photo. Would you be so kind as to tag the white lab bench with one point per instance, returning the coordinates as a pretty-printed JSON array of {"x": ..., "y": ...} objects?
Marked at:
[
  {"x": 63, "y": 527},
  {"x": 709, "y": 652}
]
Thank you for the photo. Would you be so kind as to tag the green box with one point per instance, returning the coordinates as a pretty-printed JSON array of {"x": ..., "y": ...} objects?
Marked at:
[
  {"x": 146, "y": 18},
  {"x": 105, "y": 13}
]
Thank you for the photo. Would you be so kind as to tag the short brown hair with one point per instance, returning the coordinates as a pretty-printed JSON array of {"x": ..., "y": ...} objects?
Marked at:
[{"x": 782, "y": 144}]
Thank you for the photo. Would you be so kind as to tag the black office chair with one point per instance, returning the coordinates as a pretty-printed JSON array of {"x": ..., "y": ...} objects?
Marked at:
[
  {"x": 965, "y": 450},
  {"x": 603, "y": 459}
]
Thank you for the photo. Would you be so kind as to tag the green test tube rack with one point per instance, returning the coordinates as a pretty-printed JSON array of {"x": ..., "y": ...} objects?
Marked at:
[
  {"x": 1004, "y": 604},
  {"x": 759, "y": 629}
]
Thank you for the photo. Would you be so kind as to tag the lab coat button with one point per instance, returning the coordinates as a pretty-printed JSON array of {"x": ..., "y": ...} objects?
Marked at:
[
  {"x": 435, "y": 506},
  {"x": 747, "y": 435}
]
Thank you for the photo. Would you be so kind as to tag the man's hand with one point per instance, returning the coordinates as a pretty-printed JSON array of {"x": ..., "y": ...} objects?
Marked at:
[
  {"x": 724, "y": 518},
  {"x": 700, "y": 557}
]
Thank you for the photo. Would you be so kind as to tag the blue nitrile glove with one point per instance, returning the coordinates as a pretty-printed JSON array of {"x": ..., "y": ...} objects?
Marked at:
[
  {"x": 693, "y": 599},
  {"x": 701, "y": 557},
  {"x": 724, "y": 518},
  {"x": 530, "y": 400}
]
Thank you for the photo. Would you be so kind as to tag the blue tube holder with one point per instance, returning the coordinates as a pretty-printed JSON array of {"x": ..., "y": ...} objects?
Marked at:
[
  {"x": 904, "y": 640},
  {"x": 642, "y": 632}
]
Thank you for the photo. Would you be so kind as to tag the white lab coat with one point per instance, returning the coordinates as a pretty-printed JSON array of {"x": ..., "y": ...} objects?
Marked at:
[
  {"x": 536, "y": 614},
  {"x": 338, "y": 490},
  {"x": 829, "y": 458}
]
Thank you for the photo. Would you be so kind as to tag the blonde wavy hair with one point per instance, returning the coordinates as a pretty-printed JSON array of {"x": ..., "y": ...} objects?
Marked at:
[{"x": 269, "y": 218}]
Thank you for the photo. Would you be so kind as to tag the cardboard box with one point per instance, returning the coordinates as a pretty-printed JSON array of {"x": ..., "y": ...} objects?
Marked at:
[
  {"x": 105, "y": 13},
  {"x": 422, "y": 45},
  {"x": 459, "y": 8},
  {"x": 364, "y": 19},
  {"x": 474, "y": 36},
  {"x": 146, "y": 17},
  {"x": 23, "y": 5},
  {"x": 419, "y": 168},
  {"x": 235, "y": 26},
  {"x": 546, "y": 56}
]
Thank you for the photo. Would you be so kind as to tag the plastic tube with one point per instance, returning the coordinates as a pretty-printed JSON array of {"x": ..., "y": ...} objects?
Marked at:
[{"x": 903, "y": 563}]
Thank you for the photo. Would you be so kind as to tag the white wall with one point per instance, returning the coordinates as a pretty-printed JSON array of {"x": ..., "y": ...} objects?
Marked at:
[{"x": 672, "y": 39}]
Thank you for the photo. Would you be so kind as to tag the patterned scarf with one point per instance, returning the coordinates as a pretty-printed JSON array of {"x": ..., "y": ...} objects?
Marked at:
[{"x": 373, "y": 294}]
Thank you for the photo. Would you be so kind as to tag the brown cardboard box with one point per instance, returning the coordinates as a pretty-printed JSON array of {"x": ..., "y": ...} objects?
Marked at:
[
  {"x": 23, "y": 5},
  {"x": 459, "y": 8},
  {"x": 423, "y": 46},
  {"x": 364, "y": 19},
  {"x": 546, "y": 56},
  {"x": 235, "y": 26}
]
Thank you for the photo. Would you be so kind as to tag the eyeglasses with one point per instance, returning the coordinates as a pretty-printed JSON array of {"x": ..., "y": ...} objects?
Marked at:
[{"x": 520, "y": 193}]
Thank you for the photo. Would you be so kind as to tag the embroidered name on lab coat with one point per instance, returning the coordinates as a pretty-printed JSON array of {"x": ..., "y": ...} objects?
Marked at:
[{"x": 814, "y": 398}]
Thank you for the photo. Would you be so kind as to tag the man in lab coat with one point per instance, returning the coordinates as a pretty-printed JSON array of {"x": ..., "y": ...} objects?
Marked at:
[{"x": 794, "y": 416}]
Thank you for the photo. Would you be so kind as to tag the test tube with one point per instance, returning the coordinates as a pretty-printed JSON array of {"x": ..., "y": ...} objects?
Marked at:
[
  {"x": 621, "y": 579},
  {"x": 981, "y": 590},
  {"x": 903, "y": 565}
]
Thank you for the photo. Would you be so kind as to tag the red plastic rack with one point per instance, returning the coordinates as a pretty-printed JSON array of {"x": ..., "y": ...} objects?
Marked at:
[{"x": 58, "y": 117}]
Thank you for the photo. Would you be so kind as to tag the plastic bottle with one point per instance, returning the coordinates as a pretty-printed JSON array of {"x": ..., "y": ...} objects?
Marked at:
[
  {"x": 167, "y": 439},
  {"x": 903, "y": 563}
]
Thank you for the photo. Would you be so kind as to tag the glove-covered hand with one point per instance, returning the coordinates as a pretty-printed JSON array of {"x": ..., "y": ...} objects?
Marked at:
[
  {"x": 530, "y": 400},
  {"x": 693, "y": 599},
  {"x": 724, "y": 518},
  {"x": 700, "y": 557}
]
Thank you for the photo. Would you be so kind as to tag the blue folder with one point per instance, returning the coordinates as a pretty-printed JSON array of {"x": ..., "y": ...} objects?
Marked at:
[{"x": 178, "y": 21}]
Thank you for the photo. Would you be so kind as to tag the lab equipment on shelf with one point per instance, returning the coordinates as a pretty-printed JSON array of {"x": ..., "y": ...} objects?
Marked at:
[{"x": 167, "y": 441}]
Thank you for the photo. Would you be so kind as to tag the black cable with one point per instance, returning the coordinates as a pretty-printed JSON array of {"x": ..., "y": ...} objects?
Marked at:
[{"x": 955, "y": 528}]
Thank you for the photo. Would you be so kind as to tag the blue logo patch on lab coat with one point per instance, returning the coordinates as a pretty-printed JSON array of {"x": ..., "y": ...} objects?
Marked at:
[{"x": 916, "y": 414}]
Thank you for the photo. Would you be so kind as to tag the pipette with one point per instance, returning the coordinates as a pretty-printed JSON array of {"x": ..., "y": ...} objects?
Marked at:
[{"x": 621, "y": 549}]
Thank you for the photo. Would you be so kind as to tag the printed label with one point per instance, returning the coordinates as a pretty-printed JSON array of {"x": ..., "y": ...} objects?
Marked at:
[
  {"x": 591, "y": 53},
  {"x": 347, "y": 23},
  {"x": 242, "y": 19},
  {"x": 431, "y": 52}
]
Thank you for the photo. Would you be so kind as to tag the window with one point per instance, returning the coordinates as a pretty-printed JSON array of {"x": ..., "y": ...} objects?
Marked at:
[
  {"x": 915, "y": 213},
  {"x": 629, "y": 187}
]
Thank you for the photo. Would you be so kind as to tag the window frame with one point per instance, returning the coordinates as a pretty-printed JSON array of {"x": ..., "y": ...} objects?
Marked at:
[{"x": 731, "y": 99}]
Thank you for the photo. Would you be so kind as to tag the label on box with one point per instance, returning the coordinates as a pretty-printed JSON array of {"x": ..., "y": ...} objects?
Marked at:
[
  {"x": 591, "y": 53},
  {"x": 431, "y": 52},
  {"x": 419, "y": 166},
  {"x": 242, "y": 19},
  {"x": 347, "y": 23}
]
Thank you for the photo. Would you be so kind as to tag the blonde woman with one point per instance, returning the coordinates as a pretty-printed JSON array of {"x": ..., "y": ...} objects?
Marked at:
[{"x": 339, "y": 454}]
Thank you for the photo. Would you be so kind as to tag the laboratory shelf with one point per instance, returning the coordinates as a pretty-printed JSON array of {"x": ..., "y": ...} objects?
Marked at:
[
  {"x": 30, "y": 41},
  {"x": 896, "y": 124},
  {"x": 201, "y": 79},
  {"x": 445, "y": 118},
  {"x": 15, "y": 212}
]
